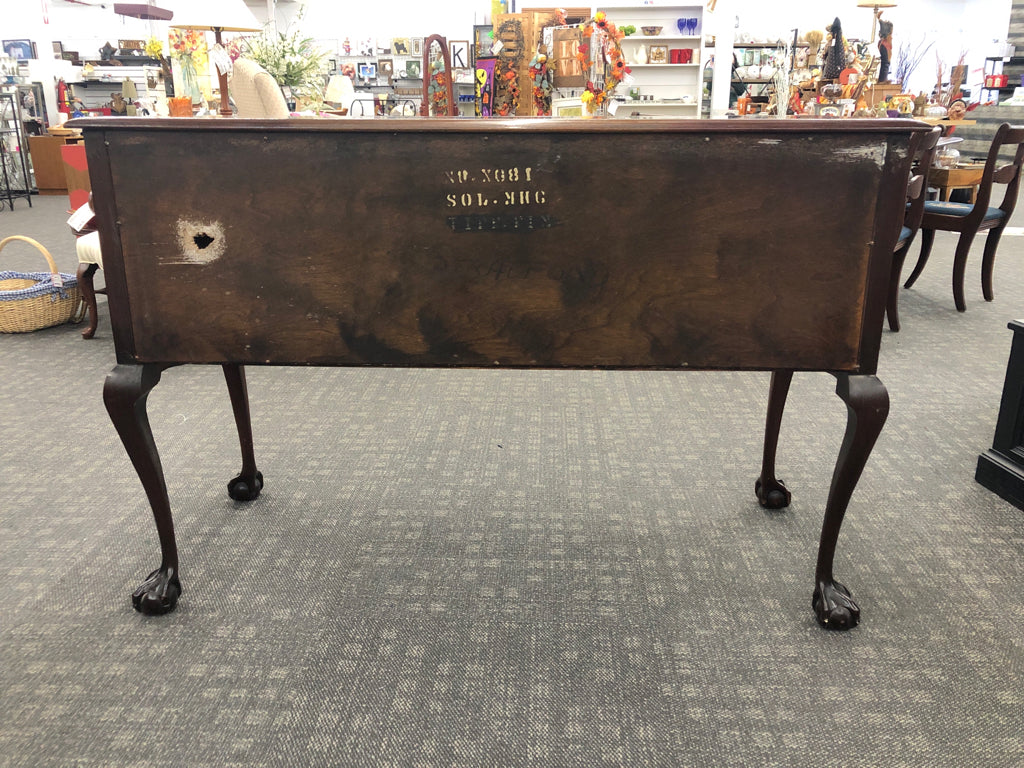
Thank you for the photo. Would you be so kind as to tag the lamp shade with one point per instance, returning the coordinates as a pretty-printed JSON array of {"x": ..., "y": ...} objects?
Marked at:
[
  {"x": 339, "y": 89},
  {"x": 143, "y": 11},
  {"x": 222, "y": 15}
]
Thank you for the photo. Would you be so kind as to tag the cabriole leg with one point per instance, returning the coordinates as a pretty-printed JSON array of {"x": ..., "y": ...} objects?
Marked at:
[
  {"x": 867, "y": 405},
  {"x": 125, "y": 393},
  {"x": 771, "y": 492},
  {"x": 249, "y": 482}
]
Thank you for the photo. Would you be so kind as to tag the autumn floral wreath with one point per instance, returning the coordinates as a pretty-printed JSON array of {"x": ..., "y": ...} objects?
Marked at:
[{"x": 608, "y": 41}]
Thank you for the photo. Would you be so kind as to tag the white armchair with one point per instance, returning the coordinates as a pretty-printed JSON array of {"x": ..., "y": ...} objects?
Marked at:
[{"x": 255, "y": 91}]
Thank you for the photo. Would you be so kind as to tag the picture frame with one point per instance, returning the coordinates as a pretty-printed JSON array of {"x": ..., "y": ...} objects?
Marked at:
[
  {"x": 657, "y": 54},
  {"x": 18, "y": 49},
  {"x": 58, "y": 49},
  {"x": 367, "y": 71},
  {"x": 385, "y": 68},
  {"x": 574, "y": 110},
  {"x": 400, "y": 46},
  {"x": 483, "y": 40},
  {"x": 414, "y": 68},
  {"x": 458, "y": 53},
  {"x": 416, "y": 46}
]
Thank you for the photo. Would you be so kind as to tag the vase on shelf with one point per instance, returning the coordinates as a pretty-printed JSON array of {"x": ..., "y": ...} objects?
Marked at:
[
  {"x": 289, "y": 97},
  {"x": 640, "y": 57}
]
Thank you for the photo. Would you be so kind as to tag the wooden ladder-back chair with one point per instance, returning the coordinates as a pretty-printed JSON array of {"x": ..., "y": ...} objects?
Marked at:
[
  {"x": 447, "y": 108},
  {"x": 968, "y": 219},
  {"x": 923, "y": 149}
]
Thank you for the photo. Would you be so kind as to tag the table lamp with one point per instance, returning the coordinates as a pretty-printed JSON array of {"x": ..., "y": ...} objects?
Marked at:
[
  {"x": 217, "y": 16},
  {"x": 876, "y": 6},
  {"x": 340, "y": 90}
]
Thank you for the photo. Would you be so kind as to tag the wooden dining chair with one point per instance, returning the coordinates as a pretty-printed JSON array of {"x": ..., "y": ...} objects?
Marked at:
[
  {"x": 969, "y": 219},
  {"x": 922, "y": 147}
]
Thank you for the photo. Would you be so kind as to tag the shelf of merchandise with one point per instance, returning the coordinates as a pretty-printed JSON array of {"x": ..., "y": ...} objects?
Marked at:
[
  {"x": 15, "y": 180},
  {"x": 994, "y": 66},
  {"x": 96, "y": 92},
  {"x": 668, "y": 83}
]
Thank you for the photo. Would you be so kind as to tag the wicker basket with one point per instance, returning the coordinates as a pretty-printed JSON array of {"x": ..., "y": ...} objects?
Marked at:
[{"x": 33, "y": 300}]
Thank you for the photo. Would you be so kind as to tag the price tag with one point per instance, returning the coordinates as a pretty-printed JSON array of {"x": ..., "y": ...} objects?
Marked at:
[{"x": 219, "y": 57}]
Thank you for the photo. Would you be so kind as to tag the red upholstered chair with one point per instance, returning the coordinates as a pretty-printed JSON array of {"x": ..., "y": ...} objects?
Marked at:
[
  {"x": 969, "y": 219},
  {"x": 923, "y": 149}
]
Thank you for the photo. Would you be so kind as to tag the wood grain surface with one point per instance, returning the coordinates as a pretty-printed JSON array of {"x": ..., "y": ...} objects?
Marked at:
[{"x": 550, "y": 243}]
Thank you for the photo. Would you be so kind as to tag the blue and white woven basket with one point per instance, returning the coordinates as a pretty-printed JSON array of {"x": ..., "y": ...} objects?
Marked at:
[{"x": 33, "y": 300}]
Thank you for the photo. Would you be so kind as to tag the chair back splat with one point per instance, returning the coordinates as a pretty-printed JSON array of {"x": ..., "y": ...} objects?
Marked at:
[
  {"x": 969, "y": 219},
  {"x": 922, "y": 147}
]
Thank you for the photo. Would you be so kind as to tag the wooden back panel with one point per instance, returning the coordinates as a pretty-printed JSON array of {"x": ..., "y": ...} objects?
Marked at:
[{"x": 575, "y": 243}]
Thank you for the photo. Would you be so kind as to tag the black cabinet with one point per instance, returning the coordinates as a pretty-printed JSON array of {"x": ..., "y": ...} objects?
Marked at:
[{"x": 1001, "y": 467}]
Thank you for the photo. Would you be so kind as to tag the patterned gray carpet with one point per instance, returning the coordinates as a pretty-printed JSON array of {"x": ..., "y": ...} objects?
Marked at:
[{"x": 480, "y": 568}]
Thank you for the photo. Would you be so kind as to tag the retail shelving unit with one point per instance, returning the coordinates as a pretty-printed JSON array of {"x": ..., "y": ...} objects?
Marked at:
[
  {"x": 666, "y": 89},
  {"x": 994, "y": 66},
  {"x": 15, "y": 181}
]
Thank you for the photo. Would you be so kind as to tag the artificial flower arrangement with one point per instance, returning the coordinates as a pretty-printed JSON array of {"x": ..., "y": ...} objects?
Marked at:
[
  {"x": 593, "y": 97},
  {"x": 295, "y": 62},
  {"x": 541, "y": 75},
  {"x": 509, "y": 92},
  {"x": 154, "y": 48},
  {"x": 437, "y": 88}
]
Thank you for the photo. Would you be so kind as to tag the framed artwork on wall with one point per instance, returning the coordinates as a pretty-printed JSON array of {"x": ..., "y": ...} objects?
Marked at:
[
  {"x": 18, "y": 49},
  {"x": 400, "y": 46},
  {"x": 414, "y": 68},
  {"x": 385, "y": 68},
  {"x": 416, "y": 46},
  {"x": 367, "y": 71}
]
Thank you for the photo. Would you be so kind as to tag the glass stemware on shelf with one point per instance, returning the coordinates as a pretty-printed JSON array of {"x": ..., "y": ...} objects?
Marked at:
[{"x": 687, "y": 26}]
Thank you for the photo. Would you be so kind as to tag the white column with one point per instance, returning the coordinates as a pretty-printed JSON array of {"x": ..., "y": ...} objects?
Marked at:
[{"x": 724, "y": 28}]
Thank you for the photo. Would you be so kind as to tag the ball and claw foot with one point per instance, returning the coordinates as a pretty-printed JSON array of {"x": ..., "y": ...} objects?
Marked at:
[
  {"x": 833, "y": 606},
  {"x": 158, "y": 594},
  {"x": 244, "y": 488},
  {"x": 772, "y": 494}
]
